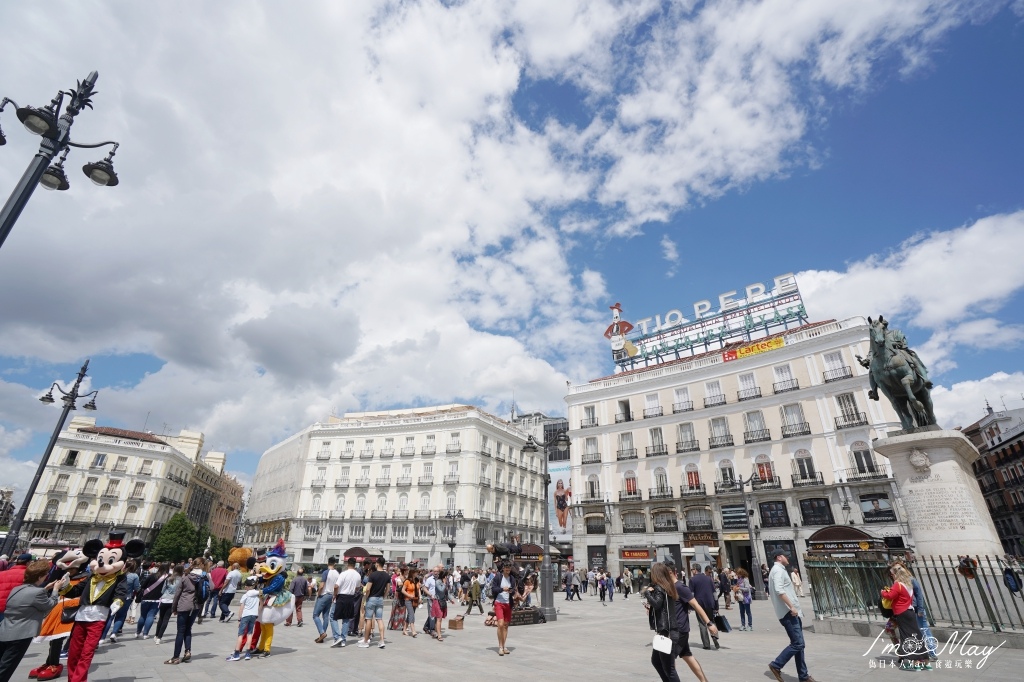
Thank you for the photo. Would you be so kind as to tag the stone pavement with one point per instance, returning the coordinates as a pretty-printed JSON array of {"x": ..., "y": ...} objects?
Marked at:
[{"x": 589, "y": 641}]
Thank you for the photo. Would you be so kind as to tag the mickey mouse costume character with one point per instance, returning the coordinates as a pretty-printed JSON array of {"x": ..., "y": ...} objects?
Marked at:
[
  {"x": 54, "y": 629},
  {"x": 104, "y": 593}
]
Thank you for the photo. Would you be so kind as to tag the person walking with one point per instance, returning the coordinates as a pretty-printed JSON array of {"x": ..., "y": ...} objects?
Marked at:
[
  {"x": 592, "y": 582},
  {"x": 627, "y": 584},
  {"x": 576, "y": 585},
  {"x": 922, "y": 618},
  {"x": 411, "y": 589},
  {"x": 429, "y": 585},
  {"x": 348, "y": 595},
  {"x": 797, "y": 582},
  {"x": 299, "y": 588},
  {"x": 912, "y": 649},
  {"x": 744, "y": 593},
  {"x": 503, "y": 590},
  {"x": 725, "y": 588},
  {"x": 600, "y": 586},
  {"x": 249, "y": 610},
  {"x": 186, "y": 605},
  {"x": 473, "y": 597},
  {"x": 25, "y": 608},
  {"x": 662, "y": 617},
  {"x": 703, "y": 587},
  {"x": 167, "y": 592},
  {"x": 764, "y": 577},
  {"x": 439, "y": 603},
  {"x": 227, "y": 592},
  {"x": 218, "y": 575},
  {"x": 378, "y": 582},
  {"x": 685, "y": 603},
  {"x": 609, "y": 583},
  {"x": 787, "y": 610},
  {"x": 149, "y": 599},
  {"x": 324, "y": 607}
]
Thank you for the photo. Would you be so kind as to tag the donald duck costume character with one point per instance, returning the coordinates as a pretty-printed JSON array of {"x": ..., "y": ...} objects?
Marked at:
[
  {"x": 278, "y": 603},
  {"x": 102, "y": 594}
]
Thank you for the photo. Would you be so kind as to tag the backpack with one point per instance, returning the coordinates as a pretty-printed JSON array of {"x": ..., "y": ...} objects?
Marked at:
[
  {"x": 1012, "y": 580},
  {"x": 202, "y": 586}
]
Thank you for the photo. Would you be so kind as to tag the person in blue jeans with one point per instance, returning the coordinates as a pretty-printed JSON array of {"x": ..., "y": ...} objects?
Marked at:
[
  {"x": 149, "y": 599},
  {"x": 743, "y": 598},
  {"x": 324, "y": 604},
  {"x": 922, "y": 620},
  {"x": 787, "y": 610}
]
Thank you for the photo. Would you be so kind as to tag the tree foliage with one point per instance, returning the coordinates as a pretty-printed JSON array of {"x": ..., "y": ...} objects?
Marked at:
[{"x": 176, "y": 540}]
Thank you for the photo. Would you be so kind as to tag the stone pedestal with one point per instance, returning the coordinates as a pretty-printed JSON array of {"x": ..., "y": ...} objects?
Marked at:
[{"x": 942, "y": 500}]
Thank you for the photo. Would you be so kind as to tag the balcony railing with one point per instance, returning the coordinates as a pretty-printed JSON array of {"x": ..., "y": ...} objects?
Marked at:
[
  {"x": 627, "y": 453},
  {"x": 400, "y": 514},
  {"x": 404, "y": 481},
  {"x": 723, "y": 487},
  {"x": 800, "y": 429},
  {"x": 595, "y": 529},
  {"x": 120, "y": 468},
  {"x": 110, "y": 493},
  {"x": 145, "y": 471},
  {"x": 801, "y": 480},
  {"x": 347, "y": 454},
  {"x": 634, "y": 528},
  {"x": 652, "y": 412},
  {"x": 666, "y": 527},
  {"x": 630, "y": 496},
  {"x": 699, "y": 525},
  {"x": 868, "y": 473},
  {"x": 499, "y": 485},
  {"x": 168, "y": 501},
  {"x": 770, "y": 483},
  {"x": 422, "y": 514},
  {"x": 748, "y": 394},
  {"x": 58, "y": 490},
  {"x": 384, "y": 482},
  {"x": 362, "y": 483},
  {"x": 713, "y": 400},
  {"x": 485, "y": 481},
  {"x": 721, "y": 441},
  {"x": 692, "y": 490},
  {"x": 338, "y": 514},
  {"x": 408, "y": 451},
  {"x": 757, "y": 436},
  {"x": 687, "y": 446},
  {"x": 623, "y": 417},
  {"x": 786, "y": 386},
  {"x": 453, "y": 447},
  {"x": 485, "y": 450},
  {"x": 311, "y": 514},
  {"x": 358, "y": 514},
  {"x": 846, "y": 421},
  {"x": 838, "y": 374},
  {"x": 387, "y": 453},
  {"x": 663, "y": 493},
  {"x": 425, "y": 480},
  {"x": 379, "y": 514},
  {"x": 685, "y": 406},
  {"x": 318, "y": 482},
  {"x": 657, "y": 450},
  {"x": 591, "y": 498},
  {"x": 591, "y": 457},
  {"x": 589, "y": 423},
  {"x": 451, "y": 479},
  {"x": 366, "y": 453},
  {"x": 323, "y": 455},
  {"x": 356, "y": 537},
  {"x": 341, "y": 483},
  {"x": 91, "y": 492}
]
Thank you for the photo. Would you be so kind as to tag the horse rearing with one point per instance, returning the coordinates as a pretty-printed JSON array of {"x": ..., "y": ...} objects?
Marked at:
[{"x": 892, "y": 372}]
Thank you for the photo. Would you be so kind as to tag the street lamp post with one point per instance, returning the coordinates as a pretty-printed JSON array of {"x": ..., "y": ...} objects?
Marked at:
[
  {"x": 68, "y": 398},
  {"x": 56, "y": 134},
  {"x": 755, "y": 564},
  {"x": 547, "y": 596}
]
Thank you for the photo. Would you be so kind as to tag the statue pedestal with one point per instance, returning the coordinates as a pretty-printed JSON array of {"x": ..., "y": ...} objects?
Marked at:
[{"x": 942, "y": 500}]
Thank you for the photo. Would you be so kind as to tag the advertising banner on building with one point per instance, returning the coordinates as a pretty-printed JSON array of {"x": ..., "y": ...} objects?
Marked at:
[
  {"x": 559, "y": 507},
  {"x": 754, "y": 349}
]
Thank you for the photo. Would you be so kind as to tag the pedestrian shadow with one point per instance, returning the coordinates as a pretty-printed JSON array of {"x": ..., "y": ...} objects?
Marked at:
[{"x": 199, "y": 657}]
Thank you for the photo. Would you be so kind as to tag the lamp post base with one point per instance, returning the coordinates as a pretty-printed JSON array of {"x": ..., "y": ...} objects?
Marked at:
[{"x": 549, "y": 613}]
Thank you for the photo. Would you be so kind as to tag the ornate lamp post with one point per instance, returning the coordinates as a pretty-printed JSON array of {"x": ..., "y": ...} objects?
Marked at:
[
  {"x": 55, "y": 130},
  {"x": 454, "y": 520},
  {"x": 755, "y": 564},
  {"x": 68, "y": 398},
  {"x": 547, "y": 582}
]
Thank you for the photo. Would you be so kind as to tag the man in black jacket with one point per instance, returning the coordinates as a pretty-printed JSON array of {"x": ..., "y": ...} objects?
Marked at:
[{"x": 703, "y": 586}]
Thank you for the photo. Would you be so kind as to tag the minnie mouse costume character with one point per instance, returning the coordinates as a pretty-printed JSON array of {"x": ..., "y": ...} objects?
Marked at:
[{"x": 104, "y": 593}]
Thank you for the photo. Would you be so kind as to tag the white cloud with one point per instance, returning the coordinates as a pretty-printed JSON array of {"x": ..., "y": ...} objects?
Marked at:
[
  {"x": 963, "y": 403},
  {"x": 669, "y": 252}
]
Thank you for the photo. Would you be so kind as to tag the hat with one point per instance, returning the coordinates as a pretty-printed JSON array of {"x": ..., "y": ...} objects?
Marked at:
[
  {"x": 221, "y": 564},
  {"x": 23, "y": 558}
]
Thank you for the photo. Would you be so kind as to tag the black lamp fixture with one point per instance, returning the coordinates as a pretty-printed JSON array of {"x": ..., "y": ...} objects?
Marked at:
[{"x": 55, "y": 129}]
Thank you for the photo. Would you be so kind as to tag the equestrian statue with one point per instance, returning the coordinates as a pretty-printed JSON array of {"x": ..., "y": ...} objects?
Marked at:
[{"x": 900, "y": 374}]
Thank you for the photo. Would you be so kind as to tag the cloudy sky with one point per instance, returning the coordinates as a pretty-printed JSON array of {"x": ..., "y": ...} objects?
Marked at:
[{"x": 332, "y": 206}]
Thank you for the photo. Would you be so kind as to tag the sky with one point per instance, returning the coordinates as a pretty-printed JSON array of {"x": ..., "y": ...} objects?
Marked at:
[{"x": 328, "y": 207}]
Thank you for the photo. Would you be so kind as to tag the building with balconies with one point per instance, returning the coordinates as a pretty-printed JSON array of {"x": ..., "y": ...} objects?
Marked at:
[
  {"x": 658, "y": 452},
  {"x": 999, "y": 437},
  {"x": 402, "y": 482}
]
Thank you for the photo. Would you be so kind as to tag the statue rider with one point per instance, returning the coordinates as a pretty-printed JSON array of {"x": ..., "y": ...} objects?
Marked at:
[{"x": 899, "y": 343}]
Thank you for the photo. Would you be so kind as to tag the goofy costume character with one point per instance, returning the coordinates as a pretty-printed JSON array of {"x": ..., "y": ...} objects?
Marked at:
[
  {"x": 54, "y": 628},
  {"x": 102, "y": 594},
  {"x": 278, "y": 603}
]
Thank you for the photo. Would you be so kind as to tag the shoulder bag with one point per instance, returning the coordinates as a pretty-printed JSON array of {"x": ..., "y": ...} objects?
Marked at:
[{"x": 661, "y": 642}]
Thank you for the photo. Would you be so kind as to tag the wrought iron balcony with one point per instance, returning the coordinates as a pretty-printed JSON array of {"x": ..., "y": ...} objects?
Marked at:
[
  {"x": 323, "y": 455},
  {"x": 595, "y": 528},
  {"x": 404, "y": 481},
  {"x": 453, "y": 447},
  {"x": 685, "y": 406},
  {"x": 687, "y": 446},
  {"x": 341, "y": 482},
  {"x": 634, "y": 528},
  {"x": 426, "y": 480},
  {"x": 757, "y": 436},
  {"x": 347, "y": 454},
  {"x": 358, "y": 514},
  {"x": 623, "y": 417},
  {"x": 58, "y": 490},
  {"x": 384, "y": 482},
  {"x": 318, "y": 482},
  {"x": 868, "y": 473},
  {"x": 485, "y": 450},
  {"x": 802, "y": 480},
  {"x": 846, "y": 421},
  {"x": 400, "y": 514},
  {"x": 422, "y": 514},
  {"x": 338, "y": 514},
  {"x": 428, "y": 450},
  {"x": 366, "y": 453},
  {"x": 721, "y": 441},
  {"x": 120, "y": 468},
  {"x": 652, "y": 412},
  {"x": 657, "y": 450},
  {"x": 110, "y": 493},
  {"x": 379, "y": 514},
  {"x": 713, "y": 400},
  {"x": 630, "y": 496},
  {"x": 589, "y": 423},
  {"x": 362, "y": 483},
  {"x": 485, "y": 481},
  {"x": 693, "y": 490},
  {"x": 838, "y": 374},
  {"x": 387, "y": 453},
  {"x": 770, "y": 483},
  {"x": 421, "y": 539},
  {"x": 666, "y": 526},
  {"x": 663, "y": 493},
  {"x": 724, "y": 487},
  {"x": 699, "y": 525},
  {"x": 408, "y": 451},
  {"x": 748, "y": 394},
  {"x": 786, "y": 386},
  {"x": 627, "y": 453},
  {"x": 591, "y": 457},
  {"x": 591, "y": 498},
  {"x": 451, "y": 479},
  {"x": 499, "y": 485},
  {"x": 800, "y": 429}
]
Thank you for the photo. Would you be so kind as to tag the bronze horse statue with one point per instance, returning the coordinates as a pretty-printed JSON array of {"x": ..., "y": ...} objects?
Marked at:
[{"x": 900, "y": 375}]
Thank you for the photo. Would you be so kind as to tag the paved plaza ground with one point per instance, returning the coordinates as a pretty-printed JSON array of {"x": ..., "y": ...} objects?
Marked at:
[{"x": 589, "y": 641}]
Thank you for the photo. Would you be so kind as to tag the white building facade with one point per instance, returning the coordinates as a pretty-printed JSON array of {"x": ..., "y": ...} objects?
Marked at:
[
  {"x": 428, "y": 484},
  {"x": 99, "y": 478},
  {"x": 659, "y": 453}
]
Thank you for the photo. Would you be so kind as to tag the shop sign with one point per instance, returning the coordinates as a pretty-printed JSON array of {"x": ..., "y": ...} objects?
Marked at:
[
  {"x": 754, "y": 349},
  {"x": 847, "y": 546},
  {"x": 636, "y": 554},
  {"x": 694, "y": 539},
  {"x": 529, "y": 557},
  {"x": 735, "y": 536}
]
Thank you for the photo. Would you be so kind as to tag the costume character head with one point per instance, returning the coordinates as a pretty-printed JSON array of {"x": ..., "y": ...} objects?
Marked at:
[
  {"x": 72, "y": 561},
  {"x": 108, "y": 559},
  {"x": 275, "y": 563}
]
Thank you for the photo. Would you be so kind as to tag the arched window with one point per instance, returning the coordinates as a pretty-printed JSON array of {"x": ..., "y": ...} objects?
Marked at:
[
  {"x": 129, "y": 516},
  {"x": 763, "y": 467},
  {"x": 691, "y": 478},
  {"x": 803, "y": 465},
  {"x": 629, "y": 483},
  {"x": 340, "y": 503},
  {"x": 451, "y": 502},
  {"x": 80, "y": 511},
  {"x": 316, "y": 503},
  {"x": 861, "y": 458},
  {"x": 698, "y": 518},
  {"x": 104, "y": 513},
  {"x": 660, "y": 479},
  {"x": 725, "y": 471},
  {"x": 482, "y": 503},
  {"x": 361, "y": 503},
  {"x": 403, "y": 502},
  {"x": 382, "y": 502},
  {"x": 593, "y": 486},
  {"x": 50, "y": 513},
  {"x": 425, "y": 501}
]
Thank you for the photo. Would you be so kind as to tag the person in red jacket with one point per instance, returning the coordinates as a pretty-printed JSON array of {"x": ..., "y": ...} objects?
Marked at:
[
  {"x": 912, "y": 649},
  {"x": 11, "y": 578}
]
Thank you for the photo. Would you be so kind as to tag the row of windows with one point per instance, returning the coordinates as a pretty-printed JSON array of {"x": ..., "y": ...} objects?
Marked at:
[
  {"x": 368, "y": 445},
  {"x": 81, "y": 512},
  {"x": 112, "y": 489},
  {"x": 319, "y": 503},
  {"x": 74, "y": 458},
  {"x": 714, "y": 394},
  {"x": 427, "y": 471}
]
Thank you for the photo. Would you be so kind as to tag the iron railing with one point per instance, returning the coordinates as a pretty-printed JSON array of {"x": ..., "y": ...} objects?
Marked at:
[
  {"x": 713, "y": 400},
  {"x": 651, "y": 412},
  {"x": 837, "y": 374},
  {"x": 748, "y": 394},
  {"x": 687, "y": 445},
  {"x": 591, "y": 457},
  {"x": 685, "y": 406},
  {"x": 757, "y": 436},
  {"x": 785, "y": 386}
]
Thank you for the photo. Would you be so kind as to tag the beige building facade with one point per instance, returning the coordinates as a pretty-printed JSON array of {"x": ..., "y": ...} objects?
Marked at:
[{"x": 704, "y": 451}]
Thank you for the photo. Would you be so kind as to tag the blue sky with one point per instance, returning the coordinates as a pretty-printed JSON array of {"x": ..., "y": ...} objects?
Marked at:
[{"x": 467, "y": 189}]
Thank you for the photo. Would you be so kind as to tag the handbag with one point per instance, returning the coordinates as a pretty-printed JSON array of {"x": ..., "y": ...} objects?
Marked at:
[
  {"x": 722, "y": 623},
  {"x": 67, "y": 614},
  {"x": 662, "y": 643}
]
